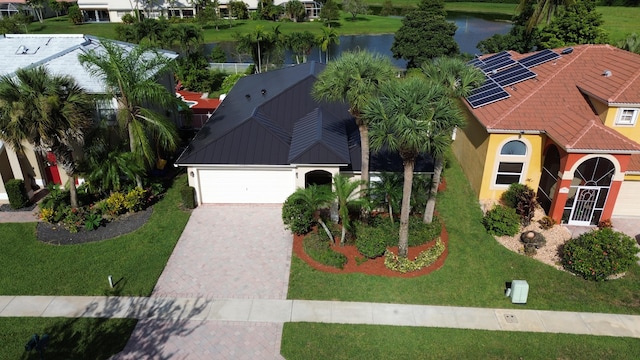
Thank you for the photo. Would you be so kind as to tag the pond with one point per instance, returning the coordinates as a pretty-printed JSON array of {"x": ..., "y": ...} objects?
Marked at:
[{"x": 472, "y": 28}]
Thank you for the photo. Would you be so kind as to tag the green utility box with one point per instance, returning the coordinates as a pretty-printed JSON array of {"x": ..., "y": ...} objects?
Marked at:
[{"x": 519, "y": 291}]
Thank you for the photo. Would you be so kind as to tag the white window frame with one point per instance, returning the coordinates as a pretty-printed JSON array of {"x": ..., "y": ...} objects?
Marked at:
[
  {"x": 628, "y": 119},
  {"x": 516, "y": 159}
]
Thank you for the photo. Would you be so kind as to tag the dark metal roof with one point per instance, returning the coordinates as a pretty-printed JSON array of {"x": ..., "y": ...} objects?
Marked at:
[{"x": 271, "y": 119}]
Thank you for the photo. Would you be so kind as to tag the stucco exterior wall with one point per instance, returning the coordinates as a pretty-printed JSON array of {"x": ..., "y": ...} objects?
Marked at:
[
  {"x": 630, "y": 131},
  {"x": 470, "y": 148}
]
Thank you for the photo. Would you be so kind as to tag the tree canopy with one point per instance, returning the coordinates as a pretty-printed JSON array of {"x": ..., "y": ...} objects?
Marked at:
[{"x": 425, "y": 34}]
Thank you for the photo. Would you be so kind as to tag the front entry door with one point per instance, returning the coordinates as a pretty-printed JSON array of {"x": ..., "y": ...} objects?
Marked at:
[{"x": 584, "y": 205}]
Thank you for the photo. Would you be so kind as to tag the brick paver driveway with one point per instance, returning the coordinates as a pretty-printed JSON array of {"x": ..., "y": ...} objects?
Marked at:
[{"x": 225, "y": 252}]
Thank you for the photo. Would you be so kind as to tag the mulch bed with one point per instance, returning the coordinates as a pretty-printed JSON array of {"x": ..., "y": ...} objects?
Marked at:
[
  {"x": 58, "y": 235},
  {"x": 373, "y": 266}
]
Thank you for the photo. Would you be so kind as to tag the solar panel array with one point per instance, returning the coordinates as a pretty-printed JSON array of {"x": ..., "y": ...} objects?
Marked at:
[
  {"x": 500, "y": 71},
  {"x": 486, "y": 94},
  {"x": 513, "y": 75},
  {"x": 539, "y": 58}
]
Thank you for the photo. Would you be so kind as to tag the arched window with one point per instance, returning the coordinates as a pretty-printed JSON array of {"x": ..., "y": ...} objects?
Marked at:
[{"x": 511, "y": 163}]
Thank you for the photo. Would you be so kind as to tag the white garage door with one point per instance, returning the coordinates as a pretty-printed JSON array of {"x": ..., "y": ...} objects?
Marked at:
[
  {"x": 628, "y": 199},
  {"x": 246, "y": 186}
]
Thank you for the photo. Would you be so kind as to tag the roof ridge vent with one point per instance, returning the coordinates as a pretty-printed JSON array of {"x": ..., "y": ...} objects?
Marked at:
[
  {"x": 567, "y": 51},
  {"x": 607, "y": 73},
  {"x": 22, "y": 50}
]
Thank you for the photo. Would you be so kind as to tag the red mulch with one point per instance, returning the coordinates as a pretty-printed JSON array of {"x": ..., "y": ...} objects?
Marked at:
[
  {"x": 376, "y": 266},
  {"x": 373, "y": 266}
]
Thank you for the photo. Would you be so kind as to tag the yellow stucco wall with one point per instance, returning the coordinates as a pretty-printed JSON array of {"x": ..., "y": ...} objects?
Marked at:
[
  {"x": 470, "y": 148},
  {"x": 632, "y": 132},
  {"x": 532, "y": 169}
]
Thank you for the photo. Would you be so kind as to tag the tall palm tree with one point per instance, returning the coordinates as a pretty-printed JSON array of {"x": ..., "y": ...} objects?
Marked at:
[
  {"x": 459, "y": 79},
  {"x": 49, "y": 111},
  {"x": 347, "y": 192},
  {"x": 130, "y": 77},
  {"x": 406, "y": 113},
  {"x": 354, "y": 78},
  {"x": 328, "y": 37},
  {"x": 317, "y": 198}
]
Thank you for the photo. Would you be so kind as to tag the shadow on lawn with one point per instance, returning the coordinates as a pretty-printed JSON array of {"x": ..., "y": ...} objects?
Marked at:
[{"x": 112, "y": 329}]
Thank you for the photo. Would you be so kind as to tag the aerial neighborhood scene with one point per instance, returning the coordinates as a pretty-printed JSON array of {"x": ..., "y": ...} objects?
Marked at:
[{"x": 330, "y": 179}]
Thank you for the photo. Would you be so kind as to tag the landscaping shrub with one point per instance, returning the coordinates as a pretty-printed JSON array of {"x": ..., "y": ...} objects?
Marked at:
[
  {"x": 188, "y": 194},
  {"x": 371, "y": 247},
  {"x": 136, "y": 199},
  {"x": 296, "y": 216},
  {"x": 424, "y": 259},
  {"x": 17, "y": 193},
  {"x": 501, "y": 220},
  {"x": 606, "y": 223},
  {"x": 320, "y": 251},
  {"x": 599, "y": 254},
  {"x": 421, "y": 233},
  {"x": 523, "y": 199},
  {"x": 115, "y": 204},
  {"x": 546, "y": 222}
]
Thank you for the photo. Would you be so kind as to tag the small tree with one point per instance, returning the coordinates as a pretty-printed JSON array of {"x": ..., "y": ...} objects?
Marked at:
[
  {"x": 387, "y": 8},
  {"x": 75, "y": 15},
  {"x": 347, "y": 192},
  {"x": 355, "y": 8},
  {"x": 316, "y": 198},
  {"x": 329, "y": 13}
]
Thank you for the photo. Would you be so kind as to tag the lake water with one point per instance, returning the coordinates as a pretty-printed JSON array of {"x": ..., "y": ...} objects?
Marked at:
[{"x": 471, "y": 30}]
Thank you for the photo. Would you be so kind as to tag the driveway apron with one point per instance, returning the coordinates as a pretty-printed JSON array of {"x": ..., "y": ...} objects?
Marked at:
[{"x": 226, "y": 251}]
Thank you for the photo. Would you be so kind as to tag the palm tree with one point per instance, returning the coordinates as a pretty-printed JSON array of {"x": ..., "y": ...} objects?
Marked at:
[
  {"x": 51, "y": 112},
  {"x": 317, "y": 198},
  {"x": 354, "y": 78},
  {"x": 459, "y": 79},
  {"x": 387, "y": 191},
  {"x": 347, "y": 193},
  {"x": 258, "y": 34},
  {"x": 130, "y": 77},
  {"x": 544, "y": 10},
  {"x": 329, "y": 36},
  {"x": 406, "y": 113}
]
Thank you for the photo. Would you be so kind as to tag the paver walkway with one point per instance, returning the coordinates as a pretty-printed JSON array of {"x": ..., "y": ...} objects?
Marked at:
[{"x": 225, "y": 252}]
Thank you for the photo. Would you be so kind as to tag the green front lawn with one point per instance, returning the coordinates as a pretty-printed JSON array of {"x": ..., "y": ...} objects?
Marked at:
[
  {"x": 135, "y": 260},
  {"x": 68, "y": 338},
  {"x": 474, "y": 273},
  {"x": 336, "y": 341}
]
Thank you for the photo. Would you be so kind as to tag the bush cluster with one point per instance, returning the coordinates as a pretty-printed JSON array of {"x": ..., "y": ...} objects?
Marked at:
[
  {"x": 523, "y": 199},
  {"x": 56, "y": 209},
  {"x": 501, "y": 220},
  {"x": 424, "y": 259},
  {"x": 546, "y": 222},
  {"x": 599, "y": 254},
  {"x": 371, "y": 247},
  {"x": 297, "y": 216},
  {"x": 320, "y": 251},
  {"x": 381, "y": 229}
]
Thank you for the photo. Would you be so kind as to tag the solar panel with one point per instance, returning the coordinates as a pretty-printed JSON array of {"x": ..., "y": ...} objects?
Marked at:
[
  {"x": 539, "y": 58},
  {"x": 496, "y": 65},
  {"x": 475, "y": 62},
  {"x": 496, "y": 56},
  {"x": 486, "y": 94},
  {"x": 513, "y": 75}
]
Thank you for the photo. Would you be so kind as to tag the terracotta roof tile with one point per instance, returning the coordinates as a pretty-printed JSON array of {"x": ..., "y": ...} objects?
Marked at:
[
  {"x": 634, "y": 164},
  {"x": 555, "y": 103}
]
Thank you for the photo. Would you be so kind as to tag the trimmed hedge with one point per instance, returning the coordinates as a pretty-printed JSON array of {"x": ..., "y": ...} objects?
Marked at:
[
  {"x": 17, "y": 193},
  {"x": 297, "y": 216},
  {"x": 501, "y": 220},
  {"x": 320, "y": 251}
]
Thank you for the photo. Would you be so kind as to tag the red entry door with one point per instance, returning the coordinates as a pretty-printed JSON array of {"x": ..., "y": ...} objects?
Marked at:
[{"x": 51, "y": 169}]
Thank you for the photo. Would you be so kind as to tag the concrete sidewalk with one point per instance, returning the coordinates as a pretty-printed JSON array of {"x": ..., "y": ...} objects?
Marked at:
[{"x": 339, "y": 312}]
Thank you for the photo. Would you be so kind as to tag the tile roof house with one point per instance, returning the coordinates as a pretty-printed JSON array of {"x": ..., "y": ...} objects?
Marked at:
[
  {"x": 563, "y": 122},
  {"x": 269, "y": 136},
  {"x": 59, "y": 54}
]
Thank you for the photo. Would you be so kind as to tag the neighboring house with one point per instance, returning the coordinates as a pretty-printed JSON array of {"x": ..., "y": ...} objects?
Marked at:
[
  {"x": 563, "y": 122},
  {"x": 12, "y": 7},
  {"x": 269, "y": 137},
  {"x": 114, "y": 10},
  {"x": 201, "y": 107},
  {"x": 59, "y": 54}
]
